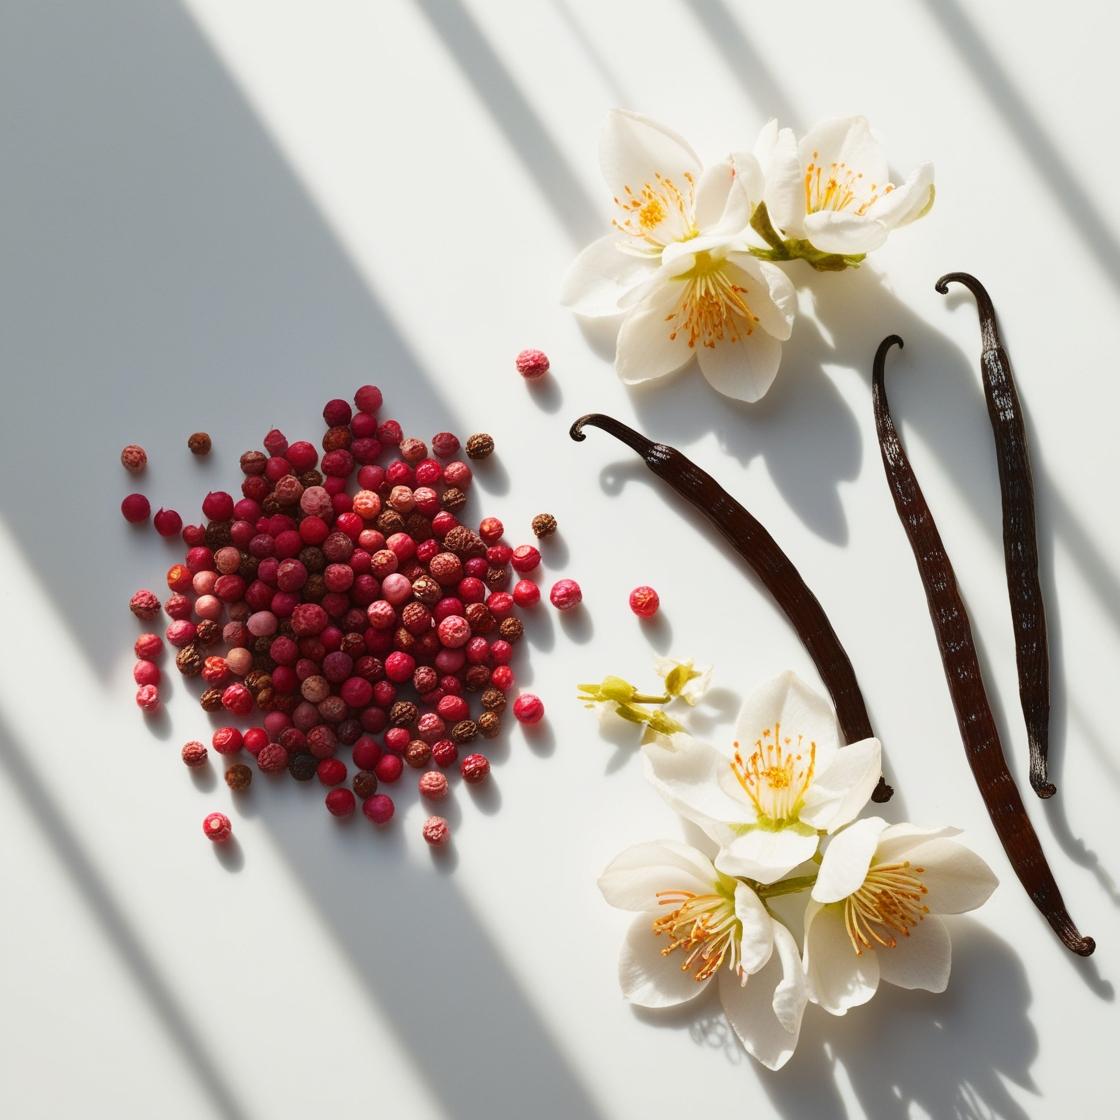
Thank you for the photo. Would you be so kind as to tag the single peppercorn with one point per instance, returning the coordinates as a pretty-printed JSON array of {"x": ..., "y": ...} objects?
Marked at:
[
  {"x": 403, "y": 713},
  {"x": 211, "y": 699},
  {"x": 464, "y": 731},
  {"x": 436, "y": 831},
  {"x": 494, "y": 700},
  {"x": 379, "y": 808},
  {"x": 136, "y": 508},
  {"x": 272, "y": 758},
  {"x": 445, "y": 753},
  {"x": 476, "y": 678},
  {"x": 433, "y": 785},
  {"x": 480, "y": 619},
  {"x": 207, "y": 632},
  {"x": 144, "y": 604},
  {"x": 489, "y": 724},
  {"x": 453, "y": 498},
  {"x": 217, "y": 827},
  {"x": 528, "y": 708},
  {"x": 544, "y": 525},
  {"x": 253, "y": 463},
  {"x": 644, "y": 601},
  {"x": 302, "y": 767},
  {"x": 474, "y": 768},
  {"x": 189, "y": 660},
  {"x": 417, "y": 754},
  {"x": 194, "y": 754},
  {"x": 511, "y": 629},
  {"x": 134, "y": 458},
  {"x": 200, "y": 444},
  {"x": 532, "y": 364},
  {"x": 365, "y": 783},
  {"x": 239, "y": 777},
  {"x": 565, "y": 594},
  {"x": 480, "y": 446},
  {"x": 340, "y": 802}
]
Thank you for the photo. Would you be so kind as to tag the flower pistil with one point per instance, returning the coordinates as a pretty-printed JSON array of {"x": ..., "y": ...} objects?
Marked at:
[
  {"x": 889, "y": 900},
  {"x": 704, "y": 927},
  {"x": 775, "y": 777}
]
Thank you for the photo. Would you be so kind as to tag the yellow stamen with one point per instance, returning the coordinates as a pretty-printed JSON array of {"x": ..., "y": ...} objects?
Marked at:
[
  {"x": 887, "y": 903},
  {"x": 657, "y": 212},
  {"x": 703, "y": 927},
  {"x": 777, "y": 775},
  {"x": 712, "y": 306},
  {"x": 839, "y": 186}
]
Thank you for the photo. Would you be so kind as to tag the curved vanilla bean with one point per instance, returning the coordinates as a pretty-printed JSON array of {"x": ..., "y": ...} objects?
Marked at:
[
  {"x": 962, "y": 670},
  {"x": 751, "y": 540},
  {"x": 1020, "y": 547}
]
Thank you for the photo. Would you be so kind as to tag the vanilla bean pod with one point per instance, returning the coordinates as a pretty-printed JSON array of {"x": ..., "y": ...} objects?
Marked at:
[
  {"x": 1020, "y": 547},
  {"x": 752, "y": 541},
  {"x": 962, "y": 670}
]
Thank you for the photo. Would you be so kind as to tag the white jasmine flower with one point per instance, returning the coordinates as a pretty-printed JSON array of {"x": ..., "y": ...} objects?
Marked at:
[
  {"x": 765, "y": 796},
  {"x": 678, "y": 266},
  {"x": 873, "y": 914},
  {"x": 694, "y": 926}
]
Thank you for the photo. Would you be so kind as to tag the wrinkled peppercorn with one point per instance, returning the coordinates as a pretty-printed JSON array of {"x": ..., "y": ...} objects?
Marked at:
[
  {"x": 389, "y": 522},
  {"x": 302, "y": 767},
  {"x": 253, "y": 462},
  {"x": 453, "y": 498},
  {"x": 464, "y": 731},
  {"x": 207, "y": 632},
  {"x": 544, "y": 525},
  {"x": 424, "y": 679},
  {"x": 337, "y": 438},
  {"x": 314, "y": 589},
  {"x": 427, "y": 590},
  {"x": 365, "y": 783},
  {"x": 511, "y": 629},
  {"x": 312, "y": 559},
  {"x": 464, "y": 542},
  {"x": 419, "y": 528},
  {"x": 211, "y": 700},
  {"x": 496, "y": 578},
  {"x": 417, "y": 754},
  {"x": 403, "y": 713},
  {"x": 477, "y": 677},
  {"x": 199, "y": 444},
  {"x": 189, "y": 660},
  {"x": 247, "y": 567},
  {"x": 218, "y": 534},
  {"x": 494, "y": 700},
  {"x": 480, "y": 445},
  {"x": 310, "y": 478},
  {"x": 238, "y": 777},
  {"x": 480, "y": 618},
  {"x": 489, "y": 724},
  {"x": 271, "y": 505}
]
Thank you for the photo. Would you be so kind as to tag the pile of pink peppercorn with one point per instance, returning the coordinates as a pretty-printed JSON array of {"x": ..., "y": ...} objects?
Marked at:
[{"x": 343, "y": 615}]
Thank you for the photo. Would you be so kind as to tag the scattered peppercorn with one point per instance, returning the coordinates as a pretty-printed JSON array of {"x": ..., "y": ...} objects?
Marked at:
[
  {"x": 217, "y": 827},
  {"x": 340, "y": 802},
  {"x": 272, "y": 758},
  {"x": 644, "y": 601},
  {"x": 365, "y": 783},
  {"x": 532, "y": 364},
  {"x": 167, "y": 522},
  {"x": 211, "y": 700},
  {"x": 136, "y": 508},
  {"x": 565, "y": 594},
  {"x": 489, "y": 724},
  {"x": 189, "y": 660},
  {"x": 474, "y": 768},
  {"x": 544, "y": 525},
  {"x": 379, "y": 808},
  {"x": 144, "y": 604},
  {"x": 511, "y": 629},
  {"x": 433, "y": 785},
  {"x": 480, "y": 446},
  {"x": 528, "y": 708},
  {"x": 194, "y": 754},
  {"x": 302, "y": 767},
  {"x": 239, "y": 777},
  {"x": 199, "y": 443},
  {"x": 436, "y": 831},
  {"x": 134, "y": 458}
]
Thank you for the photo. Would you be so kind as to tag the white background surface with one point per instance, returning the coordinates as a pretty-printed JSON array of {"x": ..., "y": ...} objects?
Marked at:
[{"x": 218, "y": 215}]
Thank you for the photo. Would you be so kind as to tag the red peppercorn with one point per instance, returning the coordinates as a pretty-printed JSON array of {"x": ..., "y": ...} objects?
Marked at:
[
  {"x": 336, "y": 412},
  {"x": 194, "y": 754},
  {"x": 565, "y": 594},
  {"x": 136, "y": 508},
  {"x": 331, "y": 771},
  {"x": 525, "y": 558},
  {"x": 501, "y": 677},
  {"x": 217, "y": 827},
  {"x": 444, "y": 444},
  {"x": 144, "y": 604},
  {"x": 275, "y": 442},
  {"x": 368, "y": 398},
  {"x": 436, "y": 831},
  {"x": 236, "y": 698},
  {"x": 272, "y": 758},
  {"x": 528, "y": 708},
  {"x": 379, "y": 808},
  {"x": 193, "y": 535},
  {"x": 340, "y": 802},
  {"x": 179, "y": 578},
  {"x": 148, "y": 646},
  {"x": 146, "y": 672},
  {"x": 167, "y": 522},
  {"x": 644, "y": 601},
  {"x": 490, "y": 529},
  {"x": 389, "y": 768},
  {"x": 457, "y": 474},
  {"x": 525, "y": 593},
  {"x": 227, "y": 740},
  {"x": 254, "y": 740},
  {"x": 134, "y": 458},
  {"x": 433, "y": 785},
  {"x": 181, "y": 633},
  {"x": 367, "y": 754},
  {"x": 474, "y": 768},
  {"x": 445, "y": 752},
  {"x": 532, "y": 364},
  {"x": 218, "y": 505},
  {"x": 147, "y": 698}
]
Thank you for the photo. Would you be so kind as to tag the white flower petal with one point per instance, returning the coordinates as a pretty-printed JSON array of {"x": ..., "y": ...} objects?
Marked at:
[
  {"x": 787, "y": 700},
  {"x": 686, "y": 775},
  {"x": 697, "y": 688},
  {"x": 743, "y": 369},
  {"x": 749, "y": 187},
  {"x": 847, "y": 859},
  {"x": 844, "y": 787},
  {"x": 649, "y": 979},
  {"x": 906, "y": 203},
  {"x": 600, "y": 276},
  {"x": 921, "y": 960},
  {"x": 768, "y": 1035},
  {"x": 845, "y": 140},
  {"x": 785, "y": 179},
  {"x": 838, "y": 978},
  {"x": 633, "y": 878},
  {"x": 758, "y": 929},
  {"x": 644, "y": 349},
  {"x": 839, "y": 231},
  {"x": 767, "y": 854},
  {"x": 713, "y": 194},
  {"x": 769, "y": 293},
  {"x": 957, "y": 879}
]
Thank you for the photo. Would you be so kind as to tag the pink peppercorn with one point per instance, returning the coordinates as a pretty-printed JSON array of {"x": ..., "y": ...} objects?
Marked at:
[
  {"x": 194, "y": 754},
  {"x": 433, "y": 785},
  {"x": 436, "y": 831},
  {"x": 275, "y": 442},
  {"x": 454, "y": 631},
  {"x": 367, "y": 754},
  {"x": 336, "y": 413},
  {"x": 501, "y": 604},
  {"x": 389, "y": 768},
  {"x": 532, "y": 364},
  {"x": 167, "y": 522},
  {"x": 525, "y": 594},
  {"x": 144, "y": 604},
  {"x": 501, "y": 678},
  {"x": 528, "y": 708},
  {"x": 178, "y": 606},
  {"x": 644, "y": 601},
  {"x": 490, "y": 529},
  {"x": 379, "y": 808},
  {"x": 399, "y": 666},
  {"x": 136, "y": 508},
  {"x": 445, "y": 752},
  {"x": 565, "y": 594},
  {"x": 218, "y": 505},
  {"x": 331, "y": 771},
  {"x": 474, "y": 768},
  {"x": 457, "y": 474},
  {"x": 227, "y": 740},
  {"x": 148, "y": 646},
  {"x": 396, "y": 738},
  {"x": 340, "y": 802},
  {"x": 134, "y": 458},
  {"x": 193, "y": 535},
  {"x": 236, "y": 698},
  {"x": 525, "y": 558},
  {"x": 254, "y": 740},
  {"x": 445, "y": 444},
  {"x": 146, "y": 672},
  {"x": 147, "y": 698},
  {"x": 217, "y": 827},
  {"x": 368, "y": 398},
  {"x": 181, "y": 632},
  {"x": 272, "y": 758}
]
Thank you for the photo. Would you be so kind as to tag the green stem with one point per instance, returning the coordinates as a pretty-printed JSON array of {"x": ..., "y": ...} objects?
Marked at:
[
  {"x": 761, "y": 224},
  {"x": 786, "y": 886},
  {"x": 641, "y": 698}
]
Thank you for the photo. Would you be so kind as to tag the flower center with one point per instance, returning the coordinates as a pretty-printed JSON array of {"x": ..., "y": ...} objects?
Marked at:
[
  {"x": 888, "y": 903},
  {"x": 839, "y": 186},
  {"x": 659, "y": 206},
  {"x": 712, "y": 306},
  {"x": 703, "y": 927},
  {"x": 777, "y": 775}
]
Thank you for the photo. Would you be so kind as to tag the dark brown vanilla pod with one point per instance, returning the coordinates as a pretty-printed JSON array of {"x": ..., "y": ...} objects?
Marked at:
[
  {"x": 962, "y": 670},
  {"x": 751, "y": 540},
  {"x": 1020, "y": 547}
]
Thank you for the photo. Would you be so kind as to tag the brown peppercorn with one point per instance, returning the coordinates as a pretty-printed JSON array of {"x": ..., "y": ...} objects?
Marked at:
[
  {"x": 544, "y": 525},
  {"x": 311, "y": 478},
  {"x": 337, "y": 438},
  {"x": 464, "y": 731},
  {"x": 404, "y": 640},
  {"x": 199, "y": 444},
  {"x": 265, "y": 699},
  {"x": 403, "y": 713},
  {"x": 417, "y": 754},
  {"x": 494, "y": 700},
  {"x": 189, "y": 660},
  {"x": 464, "y": 542},
  {"x": 211, "y": 700},
  {"x": 285, "y": 702},
  {"x": 253, "y": 462},
  {"x": 271, "y": 505},
  {"x": 238, "y": 777},
  {"x": 349, "y": 731},
  {"x": 476, "y": 678},
  {"x": 303, "y": 766},
  {"x": 424, "y": 679},
  {"x": 312, "y": 558},
  {"x": 218, "y": 534},
  {"x": 352, "y": 644},
  {"x": 207, "y": 632},
  {"x": 511, "y": 629},
  {"x": 480, "y": 446},
  {"x": 453, "y": 498},
  {"x": 261, "y": 645},
  {"x": 426, "y": 590},
  {"x": 496, "y": 578},
  {"x": 365, "y": 783},
  {"x": 288, "y": 490},
  {"x": 333, "y": 709},
  {"x": 389, "y": 522},
  {"x": 247, "y": 567},
  {"x": 314, "y": 589},
  {"x": 416, "y": 618},
  {"x": 418, "y": 526},
  {"x": 489, "y": 724},
  {"x": 480, "y": 618}
]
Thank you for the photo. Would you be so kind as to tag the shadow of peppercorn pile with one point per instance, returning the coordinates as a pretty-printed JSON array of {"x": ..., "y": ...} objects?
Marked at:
[{"x": 162, "y": 259}]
